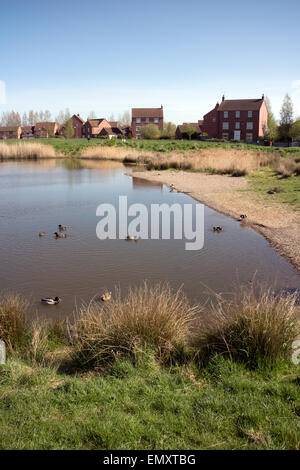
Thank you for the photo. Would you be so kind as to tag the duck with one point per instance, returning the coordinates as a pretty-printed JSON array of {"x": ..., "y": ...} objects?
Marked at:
[
  {"x": 172, "y": 187},
  {"x": 42, "y": 234},
  {"x": 243, "y": 216},
  {"x": 60, "y": 235},
  {"x": 51, "y": 300},
  {"x": 217, "y": 229},
  {"x": 106, "y": 296},
  {"x": 131, "y": 239},
  {"x": 62, "y": 228}
]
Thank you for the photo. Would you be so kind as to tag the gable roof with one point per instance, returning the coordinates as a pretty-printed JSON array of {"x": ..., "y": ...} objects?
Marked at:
[
  {"x": 78, "y": 117},
  {"x": 147, "y": 112},
  {"x": 241, "y": 105},
  {"x": 49, "y": 126},
  {"x": 9, "y": 128},
  {"x": 95, "y": 122}
]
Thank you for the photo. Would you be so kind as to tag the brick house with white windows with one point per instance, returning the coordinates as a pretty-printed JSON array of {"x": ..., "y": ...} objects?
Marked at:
[
  {"x": 145, "y": 116},
  {"x": 93, "y": 127},
  {"x": 10, "y": 132},
  {"x": 244, "y": 120}
]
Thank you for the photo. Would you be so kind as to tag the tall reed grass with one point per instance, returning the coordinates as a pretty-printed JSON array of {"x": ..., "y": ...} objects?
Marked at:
[
  {"x": 256, "y": 327},
  {"x": 153, "y": 317},
  {"x": 215, "y": 160},
  {"x": 25, "y": 150}
]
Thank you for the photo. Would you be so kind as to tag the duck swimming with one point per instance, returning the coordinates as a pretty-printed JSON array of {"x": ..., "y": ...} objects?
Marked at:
[
  {"x": 217, "y": 229},
  {"x": 60, "y": 235},
  {"x": 50, "y": 300},
  {"x": 131, "y": 239},
  {"x": 42, "y": 234},
  {"x": 106, "y": 296},
  {"x": 62, "y": 228}
]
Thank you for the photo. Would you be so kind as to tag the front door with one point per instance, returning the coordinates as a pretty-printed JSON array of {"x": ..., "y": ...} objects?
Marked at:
[{"x": 237, "y": 135}]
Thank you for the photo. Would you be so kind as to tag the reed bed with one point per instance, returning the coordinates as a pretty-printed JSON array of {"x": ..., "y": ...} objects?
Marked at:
[
  {"x": 287, "y": 167},
  {"x": 216, "y": 160},
  {"x": 26, "y": 150}
]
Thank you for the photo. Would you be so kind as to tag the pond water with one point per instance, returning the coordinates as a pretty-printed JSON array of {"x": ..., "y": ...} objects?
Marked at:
[{"x": 37, "y": 196}]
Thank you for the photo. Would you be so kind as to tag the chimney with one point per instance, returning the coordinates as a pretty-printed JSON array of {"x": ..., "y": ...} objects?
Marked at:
[
  {"x": 161, "y": 106},
  {"x": 223, "y": 98},
  {"x": 263, "y": 96}
]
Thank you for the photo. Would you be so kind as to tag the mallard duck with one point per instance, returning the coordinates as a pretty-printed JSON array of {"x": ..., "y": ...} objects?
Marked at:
[
  {"x": 217, "y": 229},
  {"x": 106, "y": 296},
  {"x": 50, "y": 300},
  {"x": 62, "y": 228},
  {"x": 131, "y": 239},
  {"x": 60, "y": 235},
  {"x": 172, "y": 187},
  {"x": 42, "y": 234},
  {"x": 243, "y": 216}
]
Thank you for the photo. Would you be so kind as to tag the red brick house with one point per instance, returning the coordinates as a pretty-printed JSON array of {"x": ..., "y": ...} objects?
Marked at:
[
  {"x": 10, "y": 132},
  {"x": 180, "y": 130},
  {"x": 27, "y": 132},
  {"x": 77, "y": 123},
  {"x": 93, "y": 127},
  {"x": 44, "y": 130},
  {"x": 243, "y": 120},
  {"x": 144, "y": 116}
]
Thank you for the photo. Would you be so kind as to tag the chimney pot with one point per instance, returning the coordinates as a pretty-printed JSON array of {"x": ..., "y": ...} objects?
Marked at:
[{"x": 223, "y": 98}]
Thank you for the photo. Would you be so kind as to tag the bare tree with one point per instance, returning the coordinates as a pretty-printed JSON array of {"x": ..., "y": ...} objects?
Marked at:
[{"x": 125, "y": 119}]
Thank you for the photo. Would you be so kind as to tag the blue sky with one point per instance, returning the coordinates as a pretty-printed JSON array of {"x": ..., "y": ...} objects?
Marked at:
[{"x": 111, "y": 56}]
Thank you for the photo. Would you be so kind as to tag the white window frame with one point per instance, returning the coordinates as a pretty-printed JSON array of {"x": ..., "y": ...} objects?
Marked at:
[
  {"x": 237, "y": 125},
  {"x": 249, "y": 126},
  {"x": 225, "y": 126},
  {"x": 138, "y": 129},
  {"x": 138, "y": 120},
  {"x": 238, "y": 114},
  {"x": 250, "y": 115},
  {"x": 156, "y": 120},
  {"x": 225, "y": 114}
]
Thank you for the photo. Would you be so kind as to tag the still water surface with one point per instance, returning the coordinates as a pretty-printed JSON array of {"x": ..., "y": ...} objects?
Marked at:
[{"x": 37, "y": 196}]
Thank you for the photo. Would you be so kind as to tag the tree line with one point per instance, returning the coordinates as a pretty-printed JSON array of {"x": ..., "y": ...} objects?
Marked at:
[{"x": 287, "y": 128}]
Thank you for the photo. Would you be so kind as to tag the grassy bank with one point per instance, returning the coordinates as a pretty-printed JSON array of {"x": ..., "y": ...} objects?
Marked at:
[{"x": 145, "y": 372}]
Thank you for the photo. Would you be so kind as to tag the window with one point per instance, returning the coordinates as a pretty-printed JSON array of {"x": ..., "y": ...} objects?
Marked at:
[
  {"x": 225, "y": 114},
  {"x": 249, "y": 125},
  {"x": 138, "y": 129},
  {"x": 225, "y": 125},
  {"x": 250, "y": 114},
  {"x": 249, "y": 137},
  {"x": 138, "y": 120},
  {"x": 156, "y": 120},
  {"x": 237, "y": 114},
  {"x": 213, "y": 119},
  {"x": 147, "y": 120},
  {"x": 225, "y": 135},
  {"x": 237, "y": 125}
]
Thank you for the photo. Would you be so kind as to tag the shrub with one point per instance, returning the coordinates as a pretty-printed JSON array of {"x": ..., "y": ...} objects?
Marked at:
[
  {"x": 286, "y": 167},
  {"x": 152, "y": 317},
  {"x": 256, "y": 328}
]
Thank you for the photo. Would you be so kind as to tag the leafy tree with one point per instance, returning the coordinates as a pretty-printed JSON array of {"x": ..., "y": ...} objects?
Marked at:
[
  {"x": 286, "y": 117},
  {"x": 68, "y": 129},
  {"x": 271, "y": 132},
  {"x": 150, "y": 131},
  {"x": 189, "y": 131},
  {"x": 295, "y": 130},
  {"x": 168, "y": 130}
]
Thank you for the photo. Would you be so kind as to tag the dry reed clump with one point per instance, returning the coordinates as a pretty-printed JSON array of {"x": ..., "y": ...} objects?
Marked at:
[
  {"x": 13, "y": 326},
  {"x": 153, "y": 317},
  {"x": 257, "y": 328},
  {"x": 220, "y": 161},
  {"x": 103, "y": 152},
  {"x": 287, "y": 167},
  {"x": 26, "y": 150}
]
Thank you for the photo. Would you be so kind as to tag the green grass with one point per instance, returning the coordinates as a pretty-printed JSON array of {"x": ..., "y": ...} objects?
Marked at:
[
  {"x": 74, "y": 147},
  {"x": 145, "y": 406},
  {"x": 266, "y": 179}
]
